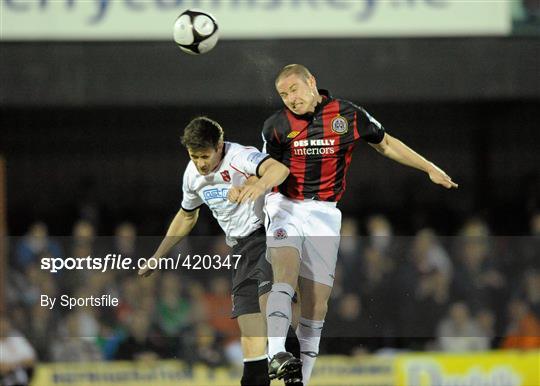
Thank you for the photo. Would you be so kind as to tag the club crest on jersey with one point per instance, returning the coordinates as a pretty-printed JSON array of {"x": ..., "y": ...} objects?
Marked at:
[
  {"x": 340, "y": 125},
  {"x": 226, "y": 176},
  {"x": 280, "y": 234},
  {"x": 293, "y": 134}
]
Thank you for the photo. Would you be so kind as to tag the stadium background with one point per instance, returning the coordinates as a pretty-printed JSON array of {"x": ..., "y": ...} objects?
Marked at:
[{"x": 89, "y": 132}]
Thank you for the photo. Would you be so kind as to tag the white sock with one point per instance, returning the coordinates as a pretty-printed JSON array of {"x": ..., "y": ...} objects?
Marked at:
[
  {"x": 278, "y": 316},
  {"x": 309, "y": 336}
]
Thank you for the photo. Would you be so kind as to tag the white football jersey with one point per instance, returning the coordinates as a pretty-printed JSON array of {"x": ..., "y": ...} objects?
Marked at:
[{"x": 238, "y": 164}]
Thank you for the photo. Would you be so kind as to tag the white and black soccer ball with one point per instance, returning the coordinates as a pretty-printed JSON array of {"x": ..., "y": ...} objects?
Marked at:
[{"x": 196, "y": 32}]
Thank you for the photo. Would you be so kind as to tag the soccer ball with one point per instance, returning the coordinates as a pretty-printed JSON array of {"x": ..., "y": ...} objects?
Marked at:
[{"x": 195, "y": 32}]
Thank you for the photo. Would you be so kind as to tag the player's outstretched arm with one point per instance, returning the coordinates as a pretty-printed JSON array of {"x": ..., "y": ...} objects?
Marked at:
[
  {"x": 394, "y": 149},
  {"x": 272, "y": 173},
  {"x": 180, "y": 227}
]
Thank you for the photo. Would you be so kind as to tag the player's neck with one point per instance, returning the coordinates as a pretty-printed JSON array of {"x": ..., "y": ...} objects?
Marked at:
[{"x": 318, "y": 99}]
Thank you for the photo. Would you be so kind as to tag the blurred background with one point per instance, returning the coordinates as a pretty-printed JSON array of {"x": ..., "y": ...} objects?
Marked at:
[{"x": 93, "y": 101}]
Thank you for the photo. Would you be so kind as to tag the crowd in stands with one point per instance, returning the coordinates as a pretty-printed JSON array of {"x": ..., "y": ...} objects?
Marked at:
[{"x": 471, "y": 292}]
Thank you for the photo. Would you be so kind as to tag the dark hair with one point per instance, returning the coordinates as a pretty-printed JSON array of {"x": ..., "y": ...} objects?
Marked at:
[{"x": 202, "y": 133}]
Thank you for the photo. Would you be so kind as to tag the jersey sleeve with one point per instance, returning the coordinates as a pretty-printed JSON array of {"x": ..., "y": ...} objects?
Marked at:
[
  {"x": 248, "y": 161},
  {"x": 190, "y": 199},
  {"x": 369, "y": 129},
  {"x": 271, "y": 140}
]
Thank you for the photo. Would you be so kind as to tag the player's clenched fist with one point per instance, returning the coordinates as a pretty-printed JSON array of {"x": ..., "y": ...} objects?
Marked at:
[
  {"x": 250, "y": 193},
  {"x": 236, "y": 192}
]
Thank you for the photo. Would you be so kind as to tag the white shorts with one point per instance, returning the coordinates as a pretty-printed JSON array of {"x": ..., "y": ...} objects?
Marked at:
[{"x": 310, "y": 226}]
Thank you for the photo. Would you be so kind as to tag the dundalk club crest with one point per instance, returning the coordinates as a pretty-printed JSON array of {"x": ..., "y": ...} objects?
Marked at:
[{"x": 226, "y": 176}]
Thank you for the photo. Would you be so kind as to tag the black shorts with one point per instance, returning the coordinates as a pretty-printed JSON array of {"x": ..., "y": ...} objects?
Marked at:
[{"x": 253, "y": 274}]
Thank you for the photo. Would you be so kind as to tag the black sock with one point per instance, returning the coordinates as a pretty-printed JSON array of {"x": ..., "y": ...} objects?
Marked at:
[
  {"x": 255, "y": 373},
  {"x": 292, "y": 344}
]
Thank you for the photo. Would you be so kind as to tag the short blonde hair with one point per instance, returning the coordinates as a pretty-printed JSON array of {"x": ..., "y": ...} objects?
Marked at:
[{"x": 296, "y": 69}]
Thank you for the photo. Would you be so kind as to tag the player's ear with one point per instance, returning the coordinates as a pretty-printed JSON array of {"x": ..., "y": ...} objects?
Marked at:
[
  {"x": 219, "y": 146},
  {"x": 312, "y": 82}
]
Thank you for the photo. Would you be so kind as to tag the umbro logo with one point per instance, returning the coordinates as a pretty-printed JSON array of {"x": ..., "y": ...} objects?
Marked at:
[
  {"x": 311, "y": 354},
  {"x": 313, "y": 328},
  {"x": 278, "y": 314},
  {"x": 293, "y": 134}
]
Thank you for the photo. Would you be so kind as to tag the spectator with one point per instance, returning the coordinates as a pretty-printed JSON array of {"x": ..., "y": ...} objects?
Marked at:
[
  {"x": 109, "y": 338},
  {"x": 83, "y": 238},
  {"x": 206, "y": 347},
  {"x": 125, "y": 239},
  {"x": 477, "y": 278},
  {"x": 218, "y": 308},
  {"x": 531, "y": 250},
  {"x": 378, "y": 296},
  {"x": 380, "y": 234},
  {"x": 141, "y": 342},
  {"x": 523, "y": 330},
  {"x": 423, "y": 283},
  {"x": 350, "y": 252},
  {"x": 532, "y": 290},
  {"x": 218, "y": 312},
  {"x": 458, "y": 332},
  {"x": 35, "y": 245},
  {"x": 43, "y": 324},
  {"x": 130, "y": 294},
  {"x": 73, "y": 345},
  {"x": 82, "y": 246},
  {"x": 125, "y": 244},
  {"x": 27, "y": 285},
  {"x": 17, "y": 356},
  {"x": 174, "y": 309},
  {"x": 432, "y": 298},
  {"x": 485, "y": 319},
  {"x": 347, "y": 332}
]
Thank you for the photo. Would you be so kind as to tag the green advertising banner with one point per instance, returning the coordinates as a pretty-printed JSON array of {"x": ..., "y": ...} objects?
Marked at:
[{"x": 247, "y": 19}]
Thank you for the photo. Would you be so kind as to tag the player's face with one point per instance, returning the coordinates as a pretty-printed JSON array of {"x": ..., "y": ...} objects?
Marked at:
[
  {"x": 298, "y": 94},
  {"x": 206, "y": 160}
]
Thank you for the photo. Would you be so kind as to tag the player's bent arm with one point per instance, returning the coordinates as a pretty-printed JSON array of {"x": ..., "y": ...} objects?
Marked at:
[
  {"x": 396, "y": 150},
  {"x": 180, "y": 227},
  {"x": 271, "y": 173}
]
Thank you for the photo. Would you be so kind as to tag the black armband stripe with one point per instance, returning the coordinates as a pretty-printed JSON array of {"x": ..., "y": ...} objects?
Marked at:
[
  {"x": 260, "y": 163},
  {"x": 190, "y": 210}
]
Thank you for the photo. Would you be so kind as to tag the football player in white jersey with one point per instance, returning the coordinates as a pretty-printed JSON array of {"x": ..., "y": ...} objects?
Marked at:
[{"x": 215, "y": 167}]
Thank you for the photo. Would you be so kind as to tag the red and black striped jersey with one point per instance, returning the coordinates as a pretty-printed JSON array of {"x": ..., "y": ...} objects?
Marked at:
[{"x": 317, "y": 147}]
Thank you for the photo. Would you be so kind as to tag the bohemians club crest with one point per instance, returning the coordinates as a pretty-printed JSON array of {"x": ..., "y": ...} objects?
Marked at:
[{"x": 340, "y": 125}]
